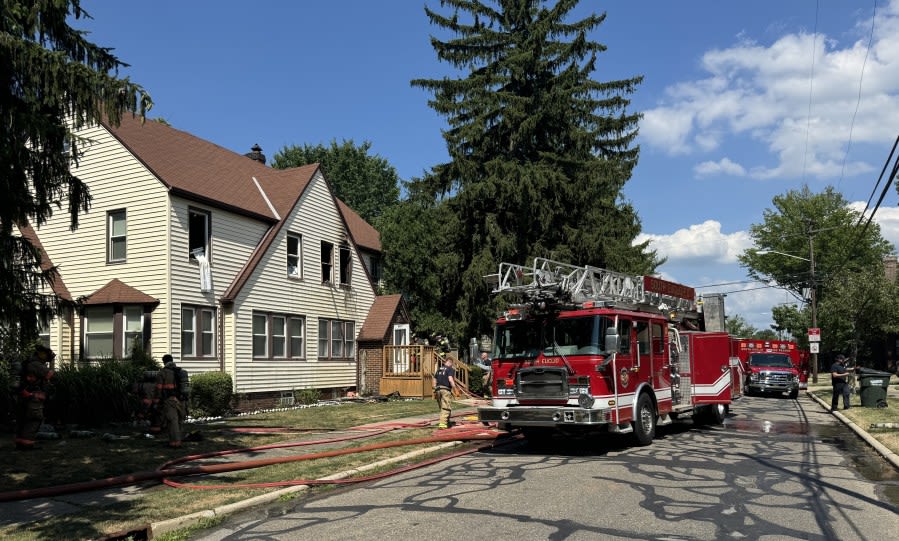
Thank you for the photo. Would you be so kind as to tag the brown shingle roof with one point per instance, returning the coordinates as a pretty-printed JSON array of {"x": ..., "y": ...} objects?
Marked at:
[
  {"x": 197, "y": 169},
  {"x": 380, "y": 316},
  {"x": 116, "y": 292},
  {"x": 57, "y": 284},
  {"x": 364, "y": 235}
]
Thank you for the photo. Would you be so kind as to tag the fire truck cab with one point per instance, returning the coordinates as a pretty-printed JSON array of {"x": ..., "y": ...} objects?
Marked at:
[
  {"x": 594, "y": 350},
  {"x": 769, "y": 366}
]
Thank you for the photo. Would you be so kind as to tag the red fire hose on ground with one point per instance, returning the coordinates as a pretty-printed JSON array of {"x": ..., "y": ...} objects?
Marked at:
[{"x": 463, "y": 433}]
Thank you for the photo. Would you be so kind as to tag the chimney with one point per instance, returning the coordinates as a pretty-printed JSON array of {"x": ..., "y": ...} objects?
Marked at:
[
  {"x": 889, "y": 267},
  {"x": 256, "y": 154}
]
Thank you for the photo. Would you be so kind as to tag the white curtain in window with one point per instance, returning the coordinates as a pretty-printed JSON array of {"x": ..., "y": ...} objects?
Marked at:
[{"x": 205, "y": 272}]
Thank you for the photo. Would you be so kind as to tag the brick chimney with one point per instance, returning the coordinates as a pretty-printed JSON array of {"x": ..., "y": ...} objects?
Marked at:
[{"x": 256, "y": 154}]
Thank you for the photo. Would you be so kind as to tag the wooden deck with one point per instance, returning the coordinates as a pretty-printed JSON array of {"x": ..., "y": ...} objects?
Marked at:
[{"x": 408, "y": 370}]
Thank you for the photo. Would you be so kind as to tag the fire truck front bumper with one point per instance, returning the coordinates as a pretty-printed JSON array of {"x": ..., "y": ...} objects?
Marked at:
[{"x": 544, "y": 416}]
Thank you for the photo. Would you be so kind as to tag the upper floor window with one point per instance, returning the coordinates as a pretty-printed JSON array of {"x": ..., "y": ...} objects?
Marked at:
[
  {"x": 199, "y": 225},
  {"x": 327, "y": 262},
  {"x": 346, "y": 265},
  {"x": 294, "y": 255},
  {"x": 116, "y": 235}
]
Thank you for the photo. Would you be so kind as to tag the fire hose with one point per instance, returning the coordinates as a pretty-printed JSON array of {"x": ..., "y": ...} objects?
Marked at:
[{"x": 167, "y": 470}]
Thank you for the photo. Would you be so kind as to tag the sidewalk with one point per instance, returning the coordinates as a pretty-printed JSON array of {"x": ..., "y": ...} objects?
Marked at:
[{"x": 22, "y": 512}]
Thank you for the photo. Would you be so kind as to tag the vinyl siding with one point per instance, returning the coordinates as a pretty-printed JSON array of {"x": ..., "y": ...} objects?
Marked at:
[
  {"x": 117, "y": 181},
  {"x": 270, "y": 290},
  {"x": 234, "y": 238}
]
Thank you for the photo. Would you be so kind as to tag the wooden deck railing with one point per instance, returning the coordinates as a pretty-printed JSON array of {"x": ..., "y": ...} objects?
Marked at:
[{"x": 408, "y": 370}]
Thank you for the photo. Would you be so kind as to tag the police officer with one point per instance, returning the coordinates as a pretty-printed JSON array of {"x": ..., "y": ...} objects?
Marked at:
[
  {"x": 171, "y": 401},
  {"x": 31, "y": 395},
  {"x": 444, "y": 384},
  {"x": 839, "y": 377}
]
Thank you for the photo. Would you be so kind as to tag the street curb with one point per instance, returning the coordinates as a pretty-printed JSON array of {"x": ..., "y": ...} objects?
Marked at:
[
  {"x": 170, "y": 525},
  {"x": 863, "y": 434}
]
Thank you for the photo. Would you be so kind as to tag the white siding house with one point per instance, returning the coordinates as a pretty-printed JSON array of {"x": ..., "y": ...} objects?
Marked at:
[{"x": 213, "y": 257}]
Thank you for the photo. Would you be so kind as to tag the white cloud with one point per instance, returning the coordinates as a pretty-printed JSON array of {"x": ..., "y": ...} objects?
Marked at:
[
  {"x": 763, "y": 92},
  {"x": 724, "y": 166},
  {"x": 699, "y": 244},
  {"x": 886, "y": 217}
]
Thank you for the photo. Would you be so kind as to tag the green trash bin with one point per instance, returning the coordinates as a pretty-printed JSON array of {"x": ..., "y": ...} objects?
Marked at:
[{"x": 873, "y": 385}]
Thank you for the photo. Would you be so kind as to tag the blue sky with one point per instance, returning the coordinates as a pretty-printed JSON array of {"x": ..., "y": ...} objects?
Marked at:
[{"x": 742, "y": 100}]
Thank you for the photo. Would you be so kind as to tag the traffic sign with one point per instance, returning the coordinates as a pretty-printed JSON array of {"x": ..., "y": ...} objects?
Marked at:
[
  {"x": 814, "y": 335},
  {"x": 813, "y": 347}
]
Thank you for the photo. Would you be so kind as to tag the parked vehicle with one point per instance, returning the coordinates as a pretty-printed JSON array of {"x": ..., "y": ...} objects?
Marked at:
[
  {"x": 588, "y": 349},
  {"x": 769, "y": 366}
]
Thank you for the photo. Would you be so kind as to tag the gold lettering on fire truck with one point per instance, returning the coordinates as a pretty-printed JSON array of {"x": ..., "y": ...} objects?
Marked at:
[{"x": 625, "y": 377}]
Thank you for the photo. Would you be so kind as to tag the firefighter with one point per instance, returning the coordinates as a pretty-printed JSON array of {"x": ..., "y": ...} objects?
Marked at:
[
  {"x": 444, "y": 385},
  {"x": 838, "y": 376},
  {"x": 172, "y": 401},
  {"x": 31, "y": 395}
]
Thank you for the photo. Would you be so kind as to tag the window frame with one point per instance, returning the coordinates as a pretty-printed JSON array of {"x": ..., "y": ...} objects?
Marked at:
[
  {"x": 286, "y": 339},
  {"x": 207, "y": 233},
  {"x": 327, "y": 263},
  {"x": 111, "y": 237},
  {"x": 198, "y": 334},
  {"x": 126, "y": 343},
  {"x": 297, "y": 257},
  {"x": 326, "y": 338},
  {"x": 346, "y": 265},
  {"x": 87, "y": 334},
  {"x": 264, "y": 335}
]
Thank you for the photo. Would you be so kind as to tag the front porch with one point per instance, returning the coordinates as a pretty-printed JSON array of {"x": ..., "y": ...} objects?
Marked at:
[{"x": 408, "y": 370}]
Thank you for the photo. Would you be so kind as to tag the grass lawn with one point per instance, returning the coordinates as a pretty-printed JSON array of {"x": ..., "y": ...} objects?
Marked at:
[
  {"x": 867, "y": 416},
  {"x": 73, "y": 460}
]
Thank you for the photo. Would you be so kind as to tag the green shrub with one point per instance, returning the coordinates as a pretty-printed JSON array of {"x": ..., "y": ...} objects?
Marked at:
[
  {"x": 93, "y": 394},
  {"x": 476, "y": 380},
  {"x": 307, "y": 396},
  {"x": 210, "y": 394}
]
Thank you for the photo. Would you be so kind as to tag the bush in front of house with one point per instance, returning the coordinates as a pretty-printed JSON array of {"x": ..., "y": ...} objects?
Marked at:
[
  {"x": 210, "y": 394},
  {"x": 476, "y": 380},
  {"x": 307, "y": 396},
  {"x": 93, "y": 394}
]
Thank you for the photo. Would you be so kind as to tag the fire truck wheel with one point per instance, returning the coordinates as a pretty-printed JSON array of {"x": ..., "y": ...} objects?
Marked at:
[{"x": 645, "y": 421}]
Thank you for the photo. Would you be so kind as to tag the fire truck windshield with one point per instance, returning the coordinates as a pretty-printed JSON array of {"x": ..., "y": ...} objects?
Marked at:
[
  {"x": 580, "y": 335},
  {"x": 770, "y": 359}
]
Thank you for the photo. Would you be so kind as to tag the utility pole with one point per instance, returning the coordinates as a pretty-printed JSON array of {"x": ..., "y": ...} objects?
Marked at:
[{"x": 814, "y": 299}]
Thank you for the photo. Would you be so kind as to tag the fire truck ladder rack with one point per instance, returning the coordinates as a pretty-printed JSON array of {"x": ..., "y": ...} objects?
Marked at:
[{"x": 554, "y": 281}]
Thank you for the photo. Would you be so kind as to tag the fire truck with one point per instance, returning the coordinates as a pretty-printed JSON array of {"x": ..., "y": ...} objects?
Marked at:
[
  {"x": 587, "y": 349},
  {"x": 769, "y": 366}
]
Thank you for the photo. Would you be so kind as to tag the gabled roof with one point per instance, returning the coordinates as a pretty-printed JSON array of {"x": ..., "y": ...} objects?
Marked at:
[
  {"x": 363, "y": 234},
  {"x": 200, "y": 170},
  {"x": 117, "y": 292},
  {"x": 197, "y": 169},
  {"x": 57, "y": 284},
  {"x": 380, "y": 317}
]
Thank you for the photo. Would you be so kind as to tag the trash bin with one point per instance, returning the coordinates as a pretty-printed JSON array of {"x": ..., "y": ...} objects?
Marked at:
[{"x": 873, "y": 385}]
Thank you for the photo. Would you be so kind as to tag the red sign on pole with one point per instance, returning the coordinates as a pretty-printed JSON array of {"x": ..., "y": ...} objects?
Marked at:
[{"x": 814, "y": 334}]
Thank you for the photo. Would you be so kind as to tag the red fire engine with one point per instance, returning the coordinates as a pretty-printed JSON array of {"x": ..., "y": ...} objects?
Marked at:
[
  {"x": 592, "y": 349},
  {"x": 769, "y": 366}
]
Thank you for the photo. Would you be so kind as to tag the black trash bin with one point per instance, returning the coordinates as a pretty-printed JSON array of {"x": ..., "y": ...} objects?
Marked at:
[{"x": 873, "y": 385}]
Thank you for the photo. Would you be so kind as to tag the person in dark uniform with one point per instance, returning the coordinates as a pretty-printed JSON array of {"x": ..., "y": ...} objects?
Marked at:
[
  {"x": 31, "y": 395},
  {"x": 171, "y": 401},
  {"x": 444, "y": 383},
  {"x": 839, "y": 377}
]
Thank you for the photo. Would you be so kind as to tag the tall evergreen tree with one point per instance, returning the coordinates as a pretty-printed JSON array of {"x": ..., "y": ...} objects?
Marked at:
[
  {"x": 539, "y": 150},
  {"x": 54, "y": 82}
]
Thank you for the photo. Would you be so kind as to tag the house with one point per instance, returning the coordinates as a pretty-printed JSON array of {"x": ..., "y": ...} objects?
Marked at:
[{"x": 213, "y": 257}]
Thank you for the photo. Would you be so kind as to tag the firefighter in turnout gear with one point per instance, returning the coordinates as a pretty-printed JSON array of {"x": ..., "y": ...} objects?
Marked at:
[
  {"x": 31, "y": 395},
  {"x": 172, "y": 400},
  {"x": 444, "y": 388}
]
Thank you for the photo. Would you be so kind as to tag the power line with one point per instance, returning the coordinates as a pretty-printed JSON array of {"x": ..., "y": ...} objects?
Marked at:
[{"x": 859, "y": 99}]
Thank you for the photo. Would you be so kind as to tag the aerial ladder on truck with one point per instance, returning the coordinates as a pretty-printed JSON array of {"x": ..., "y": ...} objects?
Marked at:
[{"x": 565, "y": 284}]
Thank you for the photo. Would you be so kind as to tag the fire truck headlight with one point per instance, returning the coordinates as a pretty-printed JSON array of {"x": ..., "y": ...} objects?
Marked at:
[{"x": 585, "y": 401}]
